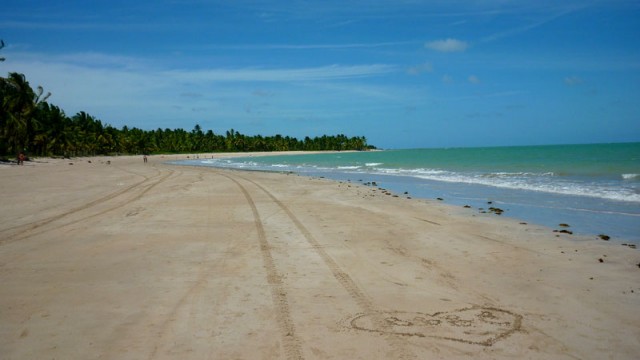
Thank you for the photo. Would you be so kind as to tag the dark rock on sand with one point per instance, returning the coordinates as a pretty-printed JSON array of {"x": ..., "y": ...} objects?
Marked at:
[
  {"x": 604, "y": 237},
  {"x": 564, "y": 231},
  {"x": 563, "y": 225}
]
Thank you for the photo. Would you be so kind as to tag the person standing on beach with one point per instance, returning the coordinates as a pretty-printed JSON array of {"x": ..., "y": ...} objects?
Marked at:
[
  {"x": 145, "y": 158},
  {"x": 21, "y": 158}
]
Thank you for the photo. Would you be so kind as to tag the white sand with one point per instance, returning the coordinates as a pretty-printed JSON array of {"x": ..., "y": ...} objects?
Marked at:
[{"x": 153, "y": 261}]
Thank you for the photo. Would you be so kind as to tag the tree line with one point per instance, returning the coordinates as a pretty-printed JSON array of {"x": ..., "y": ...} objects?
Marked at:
[{"x": 29, "y": 124}]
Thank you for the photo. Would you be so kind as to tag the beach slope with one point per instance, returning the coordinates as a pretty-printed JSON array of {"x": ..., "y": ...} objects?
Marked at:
[{"x": 114, "y": 258}]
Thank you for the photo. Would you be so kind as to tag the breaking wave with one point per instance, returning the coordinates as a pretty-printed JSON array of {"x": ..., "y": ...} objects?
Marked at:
[{"x": 548, "y": 182}]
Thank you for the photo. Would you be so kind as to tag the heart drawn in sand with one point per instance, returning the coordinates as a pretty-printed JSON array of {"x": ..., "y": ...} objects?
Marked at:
[{"x": 475, "y": 325}]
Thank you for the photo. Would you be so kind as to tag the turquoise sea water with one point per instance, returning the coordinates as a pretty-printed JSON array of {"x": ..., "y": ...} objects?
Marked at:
[{"x": 595, "y": 188}]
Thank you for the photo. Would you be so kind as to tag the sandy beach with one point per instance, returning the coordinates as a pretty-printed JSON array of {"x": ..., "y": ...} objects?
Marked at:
[{"x": 114, "y": 258}]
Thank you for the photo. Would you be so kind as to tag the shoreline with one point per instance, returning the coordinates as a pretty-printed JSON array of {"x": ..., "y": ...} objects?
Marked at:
[
  {"x": 132, "y": 260},
  {"x": 512, "y": 203}
]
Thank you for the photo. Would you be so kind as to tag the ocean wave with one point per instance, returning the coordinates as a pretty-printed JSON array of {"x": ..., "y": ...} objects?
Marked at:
[
  {"x": 411, "y": 172},
  {"x": 548, "y": 182},
  {"x": 517, "y": 174},
  {"x": 542, "y": 184},
  {"x": 372, "y": 164}
]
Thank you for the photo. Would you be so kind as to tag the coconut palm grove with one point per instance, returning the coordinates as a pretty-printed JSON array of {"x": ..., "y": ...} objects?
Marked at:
[{"x": 31, "y": 125}]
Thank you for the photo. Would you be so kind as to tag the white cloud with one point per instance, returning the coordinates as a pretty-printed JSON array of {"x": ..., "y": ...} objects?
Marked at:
[
  {"x": 564, "y": 9},
  {"x": 474, "y": 79},
  {"x": 418, "y": 69},
  {"x": 447, "y": 45},
  {"x": 88, "y": 60},
  {"x": 121, "y": 90},
  {"x": 307, "y": 46},
  {"x": 191, "y": 95},
  {"x": 573, "y": 80},
  {"x": 103, "y": 62},
  {"x": 331, "y": 72},
  {"x": 447, "y": 79},
  {"x": 262, "y": 93}
]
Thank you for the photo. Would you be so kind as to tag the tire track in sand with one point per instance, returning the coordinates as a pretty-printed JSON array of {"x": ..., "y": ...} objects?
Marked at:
[
  {"x": 193, "y": 291},
  {"x": 290, "y": 341},
  {"x": 27, "y": 230},
  {"x": 399, "y": 349}
]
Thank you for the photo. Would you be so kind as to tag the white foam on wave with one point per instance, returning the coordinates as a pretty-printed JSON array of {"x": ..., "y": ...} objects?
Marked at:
[
  {"x": 542, "y": 182},
  {"x": 516, "y": 174},
  {"x": 567, "y": 188},
  {"x": 547, "y": 182},
  {"x": 411, "y": 172}
]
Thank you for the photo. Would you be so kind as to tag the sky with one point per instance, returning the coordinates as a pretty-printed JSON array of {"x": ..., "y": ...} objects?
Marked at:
[{"x": 402, "y": 73}]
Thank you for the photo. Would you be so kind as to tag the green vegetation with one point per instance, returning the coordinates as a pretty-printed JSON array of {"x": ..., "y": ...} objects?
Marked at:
[{"x": 28, "y": 123}]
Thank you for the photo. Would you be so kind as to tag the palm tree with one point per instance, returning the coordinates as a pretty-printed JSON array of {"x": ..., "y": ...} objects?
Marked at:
[
  {"x": 27, "y": 120},
  {"x": 19, "y": 103}
]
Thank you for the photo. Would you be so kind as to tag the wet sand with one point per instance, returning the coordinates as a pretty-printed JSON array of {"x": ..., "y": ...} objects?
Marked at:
[{"x": 129, "y": 260}]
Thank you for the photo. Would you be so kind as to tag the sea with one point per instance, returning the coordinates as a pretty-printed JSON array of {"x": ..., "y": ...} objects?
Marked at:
[{"x": 594, "y": 188}]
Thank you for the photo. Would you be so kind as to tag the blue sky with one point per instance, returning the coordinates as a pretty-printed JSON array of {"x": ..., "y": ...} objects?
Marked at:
[{"x": 403, "y": 73}]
